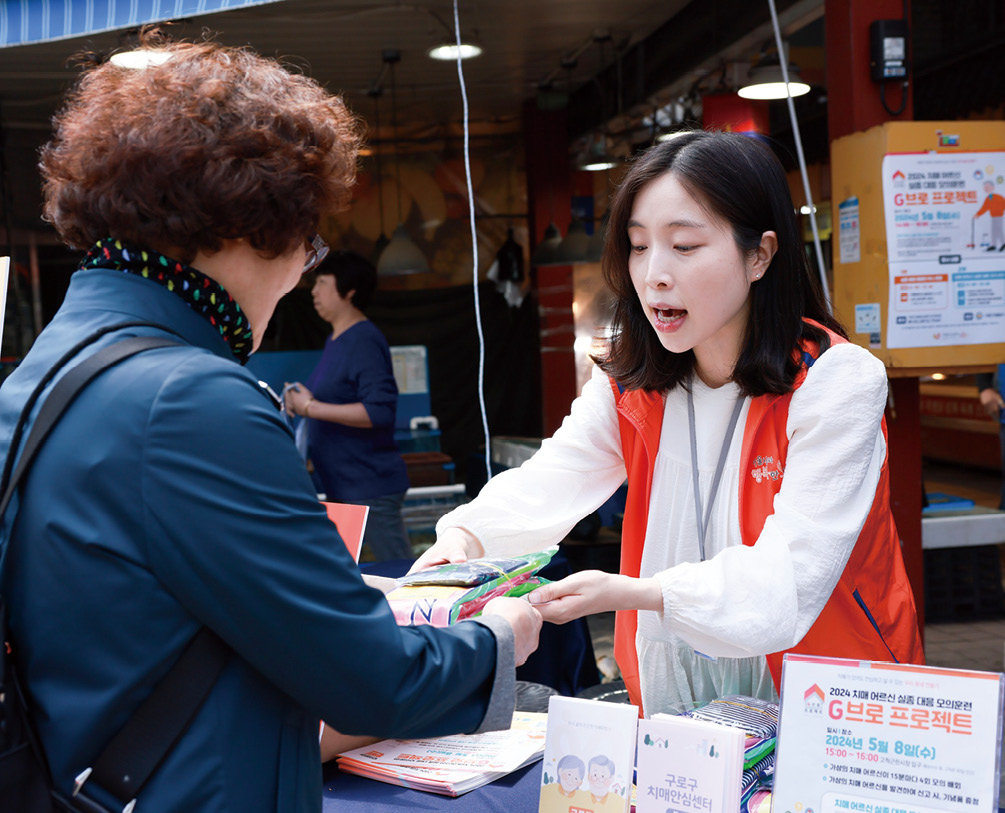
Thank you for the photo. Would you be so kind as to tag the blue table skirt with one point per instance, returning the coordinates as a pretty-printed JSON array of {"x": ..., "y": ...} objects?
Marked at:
[{"x": 517, "y": 792}]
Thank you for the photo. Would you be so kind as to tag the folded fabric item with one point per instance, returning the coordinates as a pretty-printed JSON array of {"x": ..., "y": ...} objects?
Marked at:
[
  {"x": 759, "y": 802},
  {"x": 759, "y": 718},
  {"x": 449, "y": 593},
  {"x": 480, "y": 571},
  {"x": 756, "y": 749},
  {"x": 760, "y": 776}
]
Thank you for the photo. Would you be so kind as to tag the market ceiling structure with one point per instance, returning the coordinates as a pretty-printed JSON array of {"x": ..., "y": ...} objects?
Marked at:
[
  {"x": 598, "y": 57},
  {"x": 609, "y": 62}
]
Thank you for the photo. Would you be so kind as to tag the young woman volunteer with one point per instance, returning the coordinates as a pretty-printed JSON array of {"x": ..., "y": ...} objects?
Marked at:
[{"x": 752, "y": 436}]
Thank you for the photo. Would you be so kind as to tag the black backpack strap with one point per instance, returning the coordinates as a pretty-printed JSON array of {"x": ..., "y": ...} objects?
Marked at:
[
  {"x": 141, "y": 745},
  {"x": 63, "y": 394},
  {"x": 15, "y": 442}
]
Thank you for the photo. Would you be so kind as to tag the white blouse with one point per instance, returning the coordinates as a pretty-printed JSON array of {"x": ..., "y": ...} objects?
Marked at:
[{"x": 720, "y": 616}]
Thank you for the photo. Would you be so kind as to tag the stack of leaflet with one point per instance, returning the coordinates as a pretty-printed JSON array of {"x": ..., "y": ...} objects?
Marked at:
[
  {"x": 759, "y": 720},
  {"x": 452, "y": 765},
  {"x": 448, "y": 593}
]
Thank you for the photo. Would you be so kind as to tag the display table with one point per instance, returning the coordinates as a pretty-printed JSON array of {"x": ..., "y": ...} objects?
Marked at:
[
  {"x": 955, "y": 529},
  {"x": 346, "y": 793}
]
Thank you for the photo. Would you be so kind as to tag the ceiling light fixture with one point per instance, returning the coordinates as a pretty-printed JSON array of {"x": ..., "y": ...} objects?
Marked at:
[
  {"x": 765, "y": 80},
  {"x": 595, "y": 250},
  {"x": 139, "y": 58},
  {"x": 401, "y": 255},
  {"x": 375, "y": 92},
  {"x": 573, "y": 249},
  {"x": 597, "y": 157},
  {"x": 547, "y": 249},
  {"x": 456, "y": 45},
  {"x": 451, "y": 51}
]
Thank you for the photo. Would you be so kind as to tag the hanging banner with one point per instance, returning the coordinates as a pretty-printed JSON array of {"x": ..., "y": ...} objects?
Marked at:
[
  {"x": 883, "y": 737},
  {"x": 945, "y": 237}
]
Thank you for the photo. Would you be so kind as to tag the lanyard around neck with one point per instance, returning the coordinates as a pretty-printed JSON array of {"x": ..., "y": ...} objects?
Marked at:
[{"x": 702, "y": 517}]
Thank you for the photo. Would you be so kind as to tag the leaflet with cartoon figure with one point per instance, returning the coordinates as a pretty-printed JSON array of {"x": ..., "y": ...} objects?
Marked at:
[{"x": 589, "y": 756}]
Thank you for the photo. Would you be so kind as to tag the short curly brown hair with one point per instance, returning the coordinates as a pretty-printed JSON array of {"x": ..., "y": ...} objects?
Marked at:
[{"x": 215, "y": 143}]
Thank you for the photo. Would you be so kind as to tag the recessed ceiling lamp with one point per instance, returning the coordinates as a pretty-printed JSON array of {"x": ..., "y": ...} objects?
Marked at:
[
  {"x": 671, "y": 135},
  {"x": 597, "y": 157},
  {"x": 139, "y": 58},
  {"x": 449, "y": 52},
  {"x": 765, "y": 80}
]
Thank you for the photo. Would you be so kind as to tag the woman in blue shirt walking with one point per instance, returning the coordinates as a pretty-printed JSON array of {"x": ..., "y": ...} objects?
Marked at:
[{"x": 349, "y": 403}]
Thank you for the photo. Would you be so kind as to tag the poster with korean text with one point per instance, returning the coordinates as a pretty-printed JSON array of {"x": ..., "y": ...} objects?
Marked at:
[
  {"x": 871, "y": 737},
  {"x": 945, "y": 236}
]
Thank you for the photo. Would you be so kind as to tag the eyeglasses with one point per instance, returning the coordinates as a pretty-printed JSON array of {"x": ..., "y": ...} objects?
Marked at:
[{"x": 316, "y": 253}]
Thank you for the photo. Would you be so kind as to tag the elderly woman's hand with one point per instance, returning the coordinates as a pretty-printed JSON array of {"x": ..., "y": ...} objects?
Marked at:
[
  {"x": 523, "y": 618},
  {"x": 297, "y": 398}
]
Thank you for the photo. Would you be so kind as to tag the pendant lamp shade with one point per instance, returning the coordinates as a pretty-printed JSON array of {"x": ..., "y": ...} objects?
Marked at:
[
  {"x": 766, "y": 80},
  {"x": 401, "y": 256},
  {"x": 378, "y": 247},
  {"x": 573, "y": 249},
  {"x": 595, "y": 248},
  {"x": 546, "y": 250},
  {"x": 598, "y": 156}
]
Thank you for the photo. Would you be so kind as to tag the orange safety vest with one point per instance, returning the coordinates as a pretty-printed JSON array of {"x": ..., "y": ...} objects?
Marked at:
[{"x": 870, "y": 615}]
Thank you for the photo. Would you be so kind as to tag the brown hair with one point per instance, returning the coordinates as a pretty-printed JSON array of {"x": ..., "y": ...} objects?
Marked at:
[
  {"x": 215, "y": 143},
  {"x": 740, "y": 180}
]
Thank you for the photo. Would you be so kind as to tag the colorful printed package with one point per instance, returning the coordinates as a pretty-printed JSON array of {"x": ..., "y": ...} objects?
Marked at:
[{"x": 445, "y": 594}]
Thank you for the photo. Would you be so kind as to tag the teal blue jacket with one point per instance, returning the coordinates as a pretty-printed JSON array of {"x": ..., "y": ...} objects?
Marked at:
[{"x": 171, "y": 496}]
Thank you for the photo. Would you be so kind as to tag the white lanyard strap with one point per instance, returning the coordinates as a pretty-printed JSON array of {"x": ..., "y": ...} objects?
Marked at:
[{"x": 702, "y": 518}]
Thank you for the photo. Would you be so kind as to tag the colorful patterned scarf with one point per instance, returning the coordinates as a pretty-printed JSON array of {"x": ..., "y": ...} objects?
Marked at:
[{"x": 204, "y": 295}]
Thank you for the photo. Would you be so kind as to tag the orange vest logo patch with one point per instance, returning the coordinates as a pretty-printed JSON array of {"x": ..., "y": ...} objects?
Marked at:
[{"x": 766, "y": 468}]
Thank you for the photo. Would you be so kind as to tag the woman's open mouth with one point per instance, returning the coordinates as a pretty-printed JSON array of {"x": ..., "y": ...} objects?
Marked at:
[{"x": 669, "y": 318}]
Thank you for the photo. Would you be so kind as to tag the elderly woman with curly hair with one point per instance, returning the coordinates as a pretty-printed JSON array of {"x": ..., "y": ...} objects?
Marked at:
[{"x": 170, "y": 496}]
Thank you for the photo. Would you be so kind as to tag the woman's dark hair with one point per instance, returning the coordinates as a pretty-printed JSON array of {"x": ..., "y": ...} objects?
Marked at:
[
  {"x": 215, "y": 143},
  {"x": 738, "y": 179},
  {"x": 352, "y": 273}
]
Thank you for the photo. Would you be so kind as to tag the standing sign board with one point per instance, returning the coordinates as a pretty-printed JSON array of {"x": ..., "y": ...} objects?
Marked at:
[
  {"x": 884, "y": 737},
  {"x": 919, "y": 269}
]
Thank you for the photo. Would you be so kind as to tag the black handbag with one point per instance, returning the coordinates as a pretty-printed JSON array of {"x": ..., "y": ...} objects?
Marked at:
[{"x": 138, "y": 748}]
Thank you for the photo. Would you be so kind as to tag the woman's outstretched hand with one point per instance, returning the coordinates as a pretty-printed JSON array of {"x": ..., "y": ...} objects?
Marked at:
[
  {"x": 452, "y": 546},
  {"x": 594, "y": 591}
]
